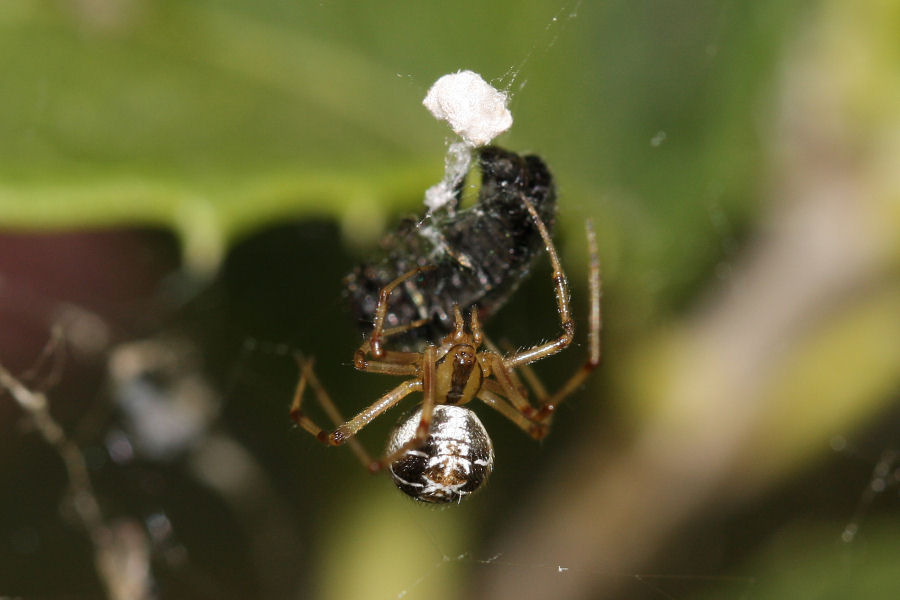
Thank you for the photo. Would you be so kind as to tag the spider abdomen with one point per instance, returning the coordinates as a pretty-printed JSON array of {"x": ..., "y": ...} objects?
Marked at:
[{"x": 455, "y": 460}]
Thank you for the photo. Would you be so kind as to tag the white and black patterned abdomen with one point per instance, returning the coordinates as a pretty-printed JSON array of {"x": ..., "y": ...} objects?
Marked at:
[{"x": 455, "y": 460}]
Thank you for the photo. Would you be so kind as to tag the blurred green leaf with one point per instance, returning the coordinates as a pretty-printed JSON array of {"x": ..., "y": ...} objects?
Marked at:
[{"x": 212, "y": 116}]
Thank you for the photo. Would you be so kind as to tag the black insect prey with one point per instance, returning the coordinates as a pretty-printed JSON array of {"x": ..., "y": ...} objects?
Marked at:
[{"x": 480, "y": 254}]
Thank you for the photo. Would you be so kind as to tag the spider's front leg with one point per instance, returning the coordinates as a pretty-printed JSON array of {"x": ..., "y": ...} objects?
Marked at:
[
  {"x": 429, "y": 360},
  {"x": 374, "y": 344},
  {"x": 494, "y": 398},
  {"x": 561, "y": 289},
  {"x": 345, "y": 430},
  {"x": 548, "y": 403},
  {"x": 389, "y": 362}
]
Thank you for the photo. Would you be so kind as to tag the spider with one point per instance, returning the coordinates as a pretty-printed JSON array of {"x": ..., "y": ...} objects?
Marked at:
[{"x": 441, "y": 452}]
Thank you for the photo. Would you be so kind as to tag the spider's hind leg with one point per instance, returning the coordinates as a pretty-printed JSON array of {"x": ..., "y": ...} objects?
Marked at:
[
  {"x": 561, "y": 291},
  {"x": 308, "y": 378},
  {"x": 548, "y": 403},
  {"x": 595, "y": 323}
]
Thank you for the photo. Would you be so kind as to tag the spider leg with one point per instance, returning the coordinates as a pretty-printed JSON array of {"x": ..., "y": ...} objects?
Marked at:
[
  {"x": 549, "y": 403},
  {"x": 391, "y": 362},
  {"x": 345, "y": 430},
  {"x": 308, "y": 376},
  {"x": 374, "y": 344},
  {"x": 526, "y": 371},
  {"x": 501, "y": 405},
  {"x": 508, "y": 385},
  {"x": 424, "y": 427},
  {"x": 535, "y": 384},
  {"x": 561, "y": 286},
  {"x": 595, "y": 323}
]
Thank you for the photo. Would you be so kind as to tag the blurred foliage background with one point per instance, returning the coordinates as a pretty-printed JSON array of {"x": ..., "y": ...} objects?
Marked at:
[{"x": 183, "y": 184}]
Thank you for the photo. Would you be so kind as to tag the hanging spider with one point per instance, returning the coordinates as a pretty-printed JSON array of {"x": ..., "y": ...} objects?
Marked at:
[
  {"x": 442, "y": 452},
  {"x": 479, "y": 254}
]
